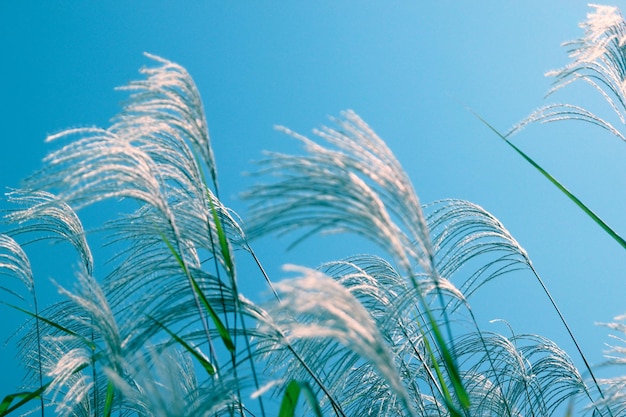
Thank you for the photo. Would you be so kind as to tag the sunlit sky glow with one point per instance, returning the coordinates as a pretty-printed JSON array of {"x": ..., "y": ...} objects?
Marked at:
[{"x": 407, "y": 68}]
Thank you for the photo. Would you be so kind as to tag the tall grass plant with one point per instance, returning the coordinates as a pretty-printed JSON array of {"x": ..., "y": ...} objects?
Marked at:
[{"x": 171, "y": 331}]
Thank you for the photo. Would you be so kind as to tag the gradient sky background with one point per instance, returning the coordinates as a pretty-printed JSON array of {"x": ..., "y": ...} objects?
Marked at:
[{"x": 403, "y": 66}]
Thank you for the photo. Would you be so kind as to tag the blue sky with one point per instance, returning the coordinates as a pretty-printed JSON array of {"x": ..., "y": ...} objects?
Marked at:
[{"x": 402, "y": 66}]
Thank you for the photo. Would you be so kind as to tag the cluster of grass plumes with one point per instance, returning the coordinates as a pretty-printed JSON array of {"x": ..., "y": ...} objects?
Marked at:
[{"x": 171, "y": 331}]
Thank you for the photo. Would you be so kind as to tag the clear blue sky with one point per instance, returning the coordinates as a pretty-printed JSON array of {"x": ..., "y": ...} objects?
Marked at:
[{"x": 403, "y": 66}]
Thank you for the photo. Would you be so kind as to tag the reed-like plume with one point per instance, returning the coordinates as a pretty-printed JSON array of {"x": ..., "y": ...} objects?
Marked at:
[
  {"x": 615, "y": 387},
  {"x": 597, "y": 58},
  {"x": 378, "y": 200},
  {"x": 156, "y": 153}
]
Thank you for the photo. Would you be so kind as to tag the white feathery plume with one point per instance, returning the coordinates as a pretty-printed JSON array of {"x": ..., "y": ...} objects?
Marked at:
[
  {"x": 615, "y": 387},
  {"x": 97, "y": 166},
  {"x": 42, "y": 212},
  {"x": 71, "y": 358},
  {"x": 462, "y": 231},
  {"x": 170, "y": 95},
  {"x": 155, "y": 152},
  {"x": 597, "y": 58},
  {"x": 315, "y": 306},
  {"x": 156, "y": 385},
  {"x": 70, "y": 389},
  {"x": 357, "y": 186},
  {"x": 14, "y": 262},
  {"x": 534, "y": 375}
]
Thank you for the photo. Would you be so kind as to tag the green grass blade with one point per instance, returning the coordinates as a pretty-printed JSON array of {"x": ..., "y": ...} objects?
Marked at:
[
  {"x": 449, "y": 362},
  {"x": 311, "y": 398},
  {"x": 290, "y": 399},
  {"x": 108, "y": 404},
  {"x": 444, "y": 386},
  {"x": 224, "y": 248},
  {"x": 221, "y": 329},
  {"x": 560, "y": 186},
  {"x": 28, "y": 396},
  {"x": 292, "y": 394},
  {"x": 57, "y": 326},
  {"x": 452, "y": 368},
  {"x": 24, "y": 397},
  {"x": 5, "y": 404},
  {"x": 199, "y": 356}
]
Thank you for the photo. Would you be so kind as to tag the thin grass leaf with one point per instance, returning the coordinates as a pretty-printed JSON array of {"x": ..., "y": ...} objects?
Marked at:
[
  {"x": 311, "y": 398},
  {"x": 292, "y": 394},
  {"x": 24, "y": 397},
  {"x": 108, "y": 402},
  {"x": 224, "y": 246},
  {"x": 451, "y": 364},
  {"x": 442, "y": 382},
  {"x": 206, "y": 364},
  {"x": 222, "y": 330},
  {"x": 54, "y": 324},
  {"x": 560, "y": 186},
  {"x": 570, "y": 409},
  {"x": 290, "y": 399},
  {"x": 449, "y": 361}
]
